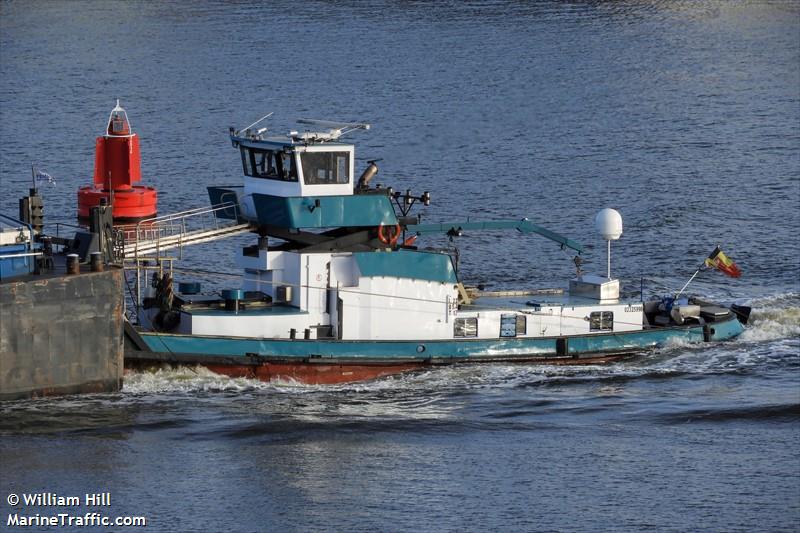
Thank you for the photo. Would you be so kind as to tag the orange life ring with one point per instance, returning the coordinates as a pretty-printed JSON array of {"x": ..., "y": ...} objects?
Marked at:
[{"x": 391, "y": 241}]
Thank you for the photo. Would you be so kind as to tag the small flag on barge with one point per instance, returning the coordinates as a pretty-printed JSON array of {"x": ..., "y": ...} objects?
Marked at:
[
  {"x": 717, "y": 259},
  {"x": 41, "y": 175}
]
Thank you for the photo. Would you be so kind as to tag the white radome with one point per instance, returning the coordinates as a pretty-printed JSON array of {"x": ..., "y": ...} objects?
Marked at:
[{"x": 608, "y": 223}]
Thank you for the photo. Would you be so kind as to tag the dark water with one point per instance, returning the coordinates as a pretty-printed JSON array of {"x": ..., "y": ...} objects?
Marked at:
[{"x": 685, "y": 116}]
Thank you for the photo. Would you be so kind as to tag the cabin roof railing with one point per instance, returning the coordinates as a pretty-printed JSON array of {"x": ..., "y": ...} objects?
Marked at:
[{"x": 329, "y": 132}]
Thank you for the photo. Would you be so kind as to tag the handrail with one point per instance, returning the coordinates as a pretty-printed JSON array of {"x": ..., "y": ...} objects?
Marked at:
[
  {"x": 188, "y": 212},
  {"x": 14, "y": 220},
  {"x": 12, "y": 256},
  {"x": 174, "y": 229},
  {"x": 58, "y": 226}
]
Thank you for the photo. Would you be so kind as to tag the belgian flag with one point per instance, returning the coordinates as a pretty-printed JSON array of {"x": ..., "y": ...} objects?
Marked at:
[{"x": 723, "y": 263}]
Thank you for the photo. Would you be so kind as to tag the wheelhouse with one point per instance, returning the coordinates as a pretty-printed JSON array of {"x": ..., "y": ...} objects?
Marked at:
[{"x": 291, "y": 169}]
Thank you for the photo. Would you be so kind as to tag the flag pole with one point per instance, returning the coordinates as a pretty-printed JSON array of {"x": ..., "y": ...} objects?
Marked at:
[
  {"x": 728, "y": 267},
  {"x": 696, "y": 272}
]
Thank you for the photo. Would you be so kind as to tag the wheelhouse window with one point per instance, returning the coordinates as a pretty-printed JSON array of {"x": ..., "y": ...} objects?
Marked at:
[
  {"x": 601, "y": 321},
  {"x": 269, "y": 164},
  {"x": 513, "y": 325},
  {"x": 325, "y": 167},
  {"x": 465, "y": 327}
]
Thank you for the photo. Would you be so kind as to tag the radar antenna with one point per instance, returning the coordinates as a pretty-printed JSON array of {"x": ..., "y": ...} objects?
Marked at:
[
  {"x": 334, "y": 130},
  {"x": 608, "y": 223},
  {"x": 257, "y": 121},
  {"x": 249, "y": 132}
]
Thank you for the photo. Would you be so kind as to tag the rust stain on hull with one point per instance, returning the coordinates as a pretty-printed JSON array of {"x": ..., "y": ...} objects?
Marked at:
[{"x": 318, "y": 373}]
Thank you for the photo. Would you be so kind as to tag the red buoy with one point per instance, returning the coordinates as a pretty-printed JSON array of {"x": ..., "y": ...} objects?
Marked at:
[{"x": 117, "y": 166}]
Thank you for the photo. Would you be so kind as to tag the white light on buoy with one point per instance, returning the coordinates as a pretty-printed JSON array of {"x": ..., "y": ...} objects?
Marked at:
[{"x": 608, "y": 223}]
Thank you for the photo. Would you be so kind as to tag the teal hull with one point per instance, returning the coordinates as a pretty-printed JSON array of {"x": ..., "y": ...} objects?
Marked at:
[{"x": 511, "y": 349}]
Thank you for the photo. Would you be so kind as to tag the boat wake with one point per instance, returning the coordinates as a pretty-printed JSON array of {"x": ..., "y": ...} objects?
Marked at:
[
  {"x": 185, "y": 379},
  {"x": 774, "y": 318}
]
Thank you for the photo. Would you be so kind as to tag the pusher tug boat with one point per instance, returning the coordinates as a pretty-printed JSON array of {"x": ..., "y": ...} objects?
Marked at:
[{"x": 336, "y": 290}]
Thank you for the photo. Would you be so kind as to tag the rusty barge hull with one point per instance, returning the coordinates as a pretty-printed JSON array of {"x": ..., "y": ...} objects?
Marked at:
[{"x": 326, "y": 371}]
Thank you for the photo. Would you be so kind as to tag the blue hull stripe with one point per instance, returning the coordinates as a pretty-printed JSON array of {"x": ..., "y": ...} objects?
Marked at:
[{"x": 466, "y": 349}]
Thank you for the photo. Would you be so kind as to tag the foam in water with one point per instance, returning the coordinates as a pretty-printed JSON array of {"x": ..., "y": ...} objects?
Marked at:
[
  {"x": 773, "y": 318},
  {"x": 184, "y": 379}
]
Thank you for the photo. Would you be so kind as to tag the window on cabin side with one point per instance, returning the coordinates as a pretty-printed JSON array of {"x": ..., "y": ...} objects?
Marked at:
[
  {"x": 601, "y": 321},
  {"x": 269, "y": 164},
  {"x": 512, "y": 325},
  {"x": 465, "y": 327},
  {"x": 320, "y": 168},
  {"x": 508, "y": 326}
]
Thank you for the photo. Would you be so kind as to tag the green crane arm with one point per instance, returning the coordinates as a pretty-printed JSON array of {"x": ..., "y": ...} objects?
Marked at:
[{"x": 523, "y": 226}]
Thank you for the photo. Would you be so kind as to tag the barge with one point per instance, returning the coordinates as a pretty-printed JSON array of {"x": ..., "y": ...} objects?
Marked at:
[{"x": 60, "y": 320}]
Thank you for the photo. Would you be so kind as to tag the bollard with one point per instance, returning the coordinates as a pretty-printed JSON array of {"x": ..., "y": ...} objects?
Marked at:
[
  {"x": 96, "y": 261},
  {"x": 232, "y": 297},
  {"x": 73, "y": 264}
]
